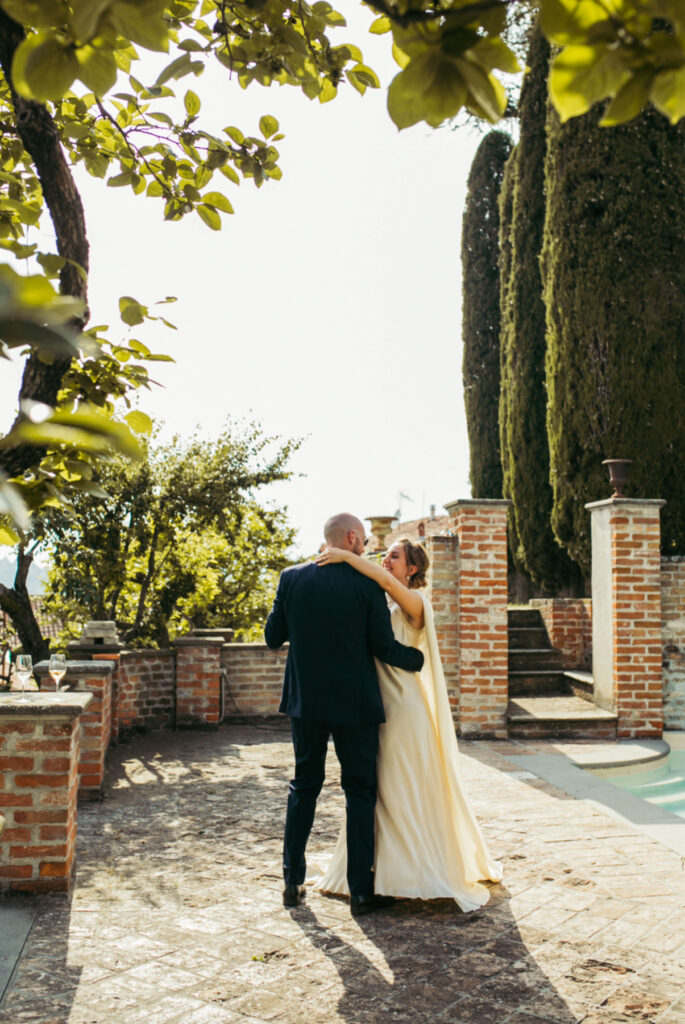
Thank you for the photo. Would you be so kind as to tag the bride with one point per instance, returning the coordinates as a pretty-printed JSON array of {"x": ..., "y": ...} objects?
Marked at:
[{"x": 428, "y": 843}]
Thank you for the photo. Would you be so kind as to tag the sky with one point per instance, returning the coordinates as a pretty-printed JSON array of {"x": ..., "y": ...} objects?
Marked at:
[{"x": 328, "y": 307}]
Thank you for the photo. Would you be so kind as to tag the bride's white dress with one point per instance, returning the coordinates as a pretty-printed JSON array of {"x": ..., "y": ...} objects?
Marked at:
[{"x": 428, "y": 843}]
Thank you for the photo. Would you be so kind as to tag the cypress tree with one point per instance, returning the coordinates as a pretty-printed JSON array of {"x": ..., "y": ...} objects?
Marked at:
[
  {"x": 614, "y": 286},
  {"x": 523, "y": 398},
  {"x": 480, "y": 254}
]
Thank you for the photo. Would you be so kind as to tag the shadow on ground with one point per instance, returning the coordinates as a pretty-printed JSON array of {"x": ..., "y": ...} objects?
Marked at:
[{"x": 176, "y": 912}]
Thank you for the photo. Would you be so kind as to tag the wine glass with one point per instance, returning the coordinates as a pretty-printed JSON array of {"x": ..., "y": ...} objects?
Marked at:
[
  {"x": 24, "y": 668},
  {"x": 57, "y": 669}
]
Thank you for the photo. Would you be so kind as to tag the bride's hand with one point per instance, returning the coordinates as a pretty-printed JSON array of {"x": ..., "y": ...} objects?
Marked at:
[{"x": 331, "y": 555}]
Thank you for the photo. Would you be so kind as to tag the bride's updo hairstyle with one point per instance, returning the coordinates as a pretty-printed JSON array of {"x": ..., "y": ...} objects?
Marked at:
[{"x": 416, "y": 556}]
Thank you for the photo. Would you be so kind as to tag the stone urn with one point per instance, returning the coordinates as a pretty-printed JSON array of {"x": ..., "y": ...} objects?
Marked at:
[
  {"x": 381, "y": 526},
  {"x": 618, "y": 474}
]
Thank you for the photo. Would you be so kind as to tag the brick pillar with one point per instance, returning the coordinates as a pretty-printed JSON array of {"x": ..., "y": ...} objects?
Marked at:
[
  {"x": 444, "y": 596},
  {"x": 96, "y": 723},
  {"x": 481, "y": 529},
  {"x": 626, "y": 613},
  {"x": 198, "y": 680},
  {"x": 39, "y": 752},
  {"x": 114, "y": 661},
  {"x": 82, "y": 650}
]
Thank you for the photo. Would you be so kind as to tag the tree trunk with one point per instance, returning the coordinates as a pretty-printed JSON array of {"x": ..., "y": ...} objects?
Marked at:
[
  {"x": 17, "y": 603},
  {"x": 37, "y": 130}
]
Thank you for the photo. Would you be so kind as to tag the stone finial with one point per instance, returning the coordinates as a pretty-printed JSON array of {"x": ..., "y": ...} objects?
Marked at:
[{"x": 381, "y": 526}]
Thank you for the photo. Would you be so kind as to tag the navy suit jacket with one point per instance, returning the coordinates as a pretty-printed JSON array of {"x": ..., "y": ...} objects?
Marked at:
[{"x": 337, "y": 621}]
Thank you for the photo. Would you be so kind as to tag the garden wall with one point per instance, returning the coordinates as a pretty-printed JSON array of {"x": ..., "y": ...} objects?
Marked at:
[
  {"x": 146, "y": 685},
  {"x": 673, "y": 636},
  {"x": 569, "y": 626},
  {"x": 252, "y": 679}
]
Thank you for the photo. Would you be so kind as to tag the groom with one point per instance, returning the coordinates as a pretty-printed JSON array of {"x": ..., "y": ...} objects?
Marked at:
[{"x": 337, "y": 621}]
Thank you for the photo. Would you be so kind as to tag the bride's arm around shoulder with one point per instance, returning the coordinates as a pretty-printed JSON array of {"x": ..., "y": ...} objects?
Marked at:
[{"x": 410, "y": 601}]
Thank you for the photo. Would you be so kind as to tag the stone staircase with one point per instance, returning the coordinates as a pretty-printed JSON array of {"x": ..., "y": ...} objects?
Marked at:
[{"x": 547, "y": 701}]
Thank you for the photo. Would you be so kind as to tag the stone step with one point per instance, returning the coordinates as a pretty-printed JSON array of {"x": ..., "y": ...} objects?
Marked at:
[
  {"x": 529, "y": 683},
  {"x": 523, "y": 616},
  {"x": 559, "y": 716},
  {"x": 535, "y": 659},
  {"x": 580, "y": 683},
  {"x": 525, "y": 637}
]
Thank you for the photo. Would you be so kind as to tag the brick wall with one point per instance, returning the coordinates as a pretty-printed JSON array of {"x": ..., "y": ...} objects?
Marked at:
[
  {"x": 146, "y": 690},
  {"x": 38, "y": 790},
  {"x": 198, "y": 681},
  {"x": 253, "y": 679},
  {"x": 443, "y": 594},
  {"x": 626, "y": 592},
  {"x": 96, "y": 729},
  {"x": 673, "y": 638},
  {"x": 481, "y": 530},
  {"x": 569, "y": 626}
]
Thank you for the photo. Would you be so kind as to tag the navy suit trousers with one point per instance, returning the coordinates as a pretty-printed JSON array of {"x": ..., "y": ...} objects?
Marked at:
[{"x": 356, "y": 747}]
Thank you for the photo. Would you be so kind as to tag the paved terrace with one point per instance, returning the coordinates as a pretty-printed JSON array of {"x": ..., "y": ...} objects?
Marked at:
[{"x": 176, "y": 911}]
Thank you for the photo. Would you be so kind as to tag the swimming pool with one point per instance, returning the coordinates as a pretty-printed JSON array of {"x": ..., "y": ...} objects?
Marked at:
[{"x": 663, "y": 786}]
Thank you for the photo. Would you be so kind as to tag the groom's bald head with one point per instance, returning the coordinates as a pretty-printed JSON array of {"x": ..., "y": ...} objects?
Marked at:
[{"x": 345, "y": 531}]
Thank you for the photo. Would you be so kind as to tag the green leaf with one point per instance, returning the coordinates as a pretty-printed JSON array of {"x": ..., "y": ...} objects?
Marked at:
[
  {"x": 97, "y": 69},
  {"x": 488, "y": 93},
  {"x": 494, "y": 53},
  {"x": 177, "y": 69},
  {"x": 161, "y": 118},
  {"x": 365, "y": 75},
  {"x": 139, "y": 422},
  {"x": 209, "y": 216},
  {"x": 327, "y": 93},
  {"x": 12, "y": 504},
  {"x": 86, "y": 16},
  {"x": 142, "y": 23},
  {"x": 430, "y": 89},
  {"x": 668, "y": 93},
  {"x": 235, "y": 134},
  {"x": 131, "y": 311},
  {"x": 569, "y": 21},
  {"x": 7, "y": 536},
  {"x": 230, "y": 173},
  {"x": 380, "y": 26},
  {"x": 217, "y": 201},
  {"x": 630, "y": 99},
  {"x": 192, "y": 103},
  {"x": 38, "y": 13},
  {"x": 87, "y": 429},
  {"x": 582, "y": 75},
  {"x": 88, "y": 487},
  {"x": 268, "y": 126},
  {"x": 117, "y": 180},
  {"x": 53, "y": 340},
  {"x": 43, "y": 68},
  {"x": 50, "y": 262}
]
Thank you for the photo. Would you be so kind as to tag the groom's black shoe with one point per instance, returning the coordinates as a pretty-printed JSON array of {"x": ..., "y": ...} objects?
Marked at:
[
  {"x": 367, "y": 904},
  {"x": 292, "y": 894}
]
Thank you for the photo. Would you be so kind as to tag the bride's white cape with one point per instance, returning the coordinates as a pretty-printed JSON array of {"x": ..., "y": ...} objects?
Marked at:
[{"x": 428, "y": 843}]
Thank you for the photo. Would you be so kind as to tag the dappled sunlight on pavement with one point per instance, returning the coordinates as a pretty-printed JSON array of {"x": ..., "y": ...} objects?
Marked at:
[{"x": 176, "y": 912}]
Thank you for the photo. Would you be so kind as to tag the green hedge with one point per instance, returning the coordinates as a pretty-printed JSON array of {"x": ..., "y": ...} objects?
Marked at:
[
  {"x": 523, "y": 399},
  {"x": 614, "y": 288},
  {"x": 480, "y": 253}
]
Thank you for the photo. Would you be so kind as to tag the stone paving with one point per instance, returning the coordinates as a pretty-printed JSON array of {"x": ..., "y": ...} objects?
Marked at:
[{"x": 176, "y": 912}]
